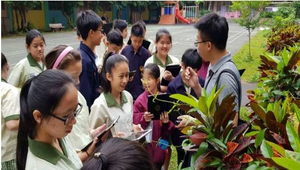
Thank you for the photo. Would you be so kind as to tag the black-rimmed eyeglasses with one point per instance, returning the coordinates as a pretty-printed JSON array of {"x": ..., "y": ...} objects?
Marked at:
[
  {"x": 69, "y": 118},
  {"x": 198, "y": 42}
]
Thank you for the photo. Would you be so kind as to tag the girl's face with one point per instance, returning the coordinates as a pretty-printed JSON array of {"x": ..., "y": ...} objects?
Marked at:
[
  {"x": 74, "y": 69},
  {"x": 36, "y": 48},
  {"x": 163, "y": 46},
  {"x": 119, "y": 77},
  {"x": 68, "y": 105},
  {"x": 149, "y": 82},
  {"x": 124, "y": 33}
]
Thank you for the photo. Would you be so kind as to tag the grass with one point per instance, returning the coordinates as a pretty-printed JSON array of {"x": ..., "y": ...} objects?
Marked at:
[{"x": 241, "y": 58}]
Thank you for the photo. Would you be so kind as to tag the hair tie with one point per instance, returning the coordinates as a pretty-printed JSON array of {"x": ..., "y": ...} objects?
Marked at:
[
  {"x": 103, "y": 159},
  {"x": 61, "y": 56}
]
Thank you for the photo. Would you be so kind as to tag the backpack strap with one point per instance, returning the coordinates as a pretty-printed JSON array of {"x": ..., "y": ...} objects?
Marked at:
[{"x": 239, "y": 88}]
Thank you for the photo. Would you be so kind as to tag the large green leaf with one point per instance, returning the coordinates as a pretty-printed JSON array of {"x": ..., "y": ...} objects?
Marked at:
[
  {"x": 286, "y": 163},
  {"x": 185, "y": 99},
  {"x": 277, "y": 148},
  {"x": 293, "y": 137},
  {"x": 212, "y": 105},
  {"x": 266, "y": 150},
  {"x": 293, "y": 155},
  {"x": 260, "y": 136},
  {"x": 296, "y": 111},
  {"x": 202, "y": 106}
]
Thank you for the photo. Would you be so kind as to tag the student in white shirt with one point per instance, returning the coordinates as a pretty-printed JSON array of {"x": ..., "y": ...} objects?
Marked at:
[
  {"x": 114, "y": 101},
  {"x": 163, "y": 43},
  {"x": 32, "y": 65},
  {"x": 68, "y": 59},
  {"x": 49, "y": 105},
  {"x": 10, "y": 113}
]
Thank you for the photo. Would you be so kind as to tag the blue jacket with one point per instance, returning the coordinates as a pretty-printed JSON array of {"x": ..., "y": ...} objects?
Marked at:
[{"x": 89, "y": 77}]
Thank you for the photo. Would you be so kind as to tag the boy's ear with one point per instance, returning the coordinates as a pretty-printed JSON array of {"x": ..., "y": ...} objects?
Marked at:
[
  {"x": 209, "y": 45},
  {"x": 37, "y": 116},
  {"x": 108, "y": 76},
  {"x": 106, "y": 43},
  {"x": 91, "y": 33}
]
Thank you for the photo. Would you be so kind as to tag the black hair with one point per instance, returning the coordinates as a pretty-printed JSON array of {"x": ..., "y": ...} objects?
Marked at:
[
  {"x": 87, "y": 20},
  {"x": 78, "y": 33},
  {"x": 3, "y": 62},
  {"x": 118, "y": 153},
  {"x": 161, "y": 32},
  {"x": 43, "y": 93},
  {"x": 142, "y": 23},
  {"x": 153, "y": 71},
  {"x": 115, "y": 37},
  {"x": 120, "y": 24},
  {"x": 137, "y": 30},
  {"x": 110, "y": 61},
  {"x": 191, "y": 58},
  {"x": 33, "y": 34},
  {"x": 105, "y": 18},
  {"x": 214, "y": 28}
]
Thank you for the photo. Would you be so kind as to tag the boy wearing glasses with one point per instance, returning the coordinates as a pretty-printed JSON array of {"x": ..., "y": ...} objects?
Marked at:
[
  {"x": 89, "y": 25},
  {"x": 211, "y": 44}
]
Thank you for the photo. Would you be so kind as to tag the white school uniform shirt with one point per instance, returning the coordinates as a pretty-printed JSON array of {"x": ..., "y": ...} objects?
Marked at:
[
  {"x": 80, "y": 135},
  {"x": 42, "y": 156},
  {"x": 10, "y": 110},
  {"x": 171, "y": 60},
  {"x": 105, "y": 109},
  {"x": 24, "y": 70}
]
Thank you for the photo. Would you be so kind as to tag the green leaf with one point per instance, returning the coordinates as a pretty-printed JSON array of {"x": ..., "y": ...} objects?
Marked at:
[
  {"x": 278, "y": 92},
  {"x": 293, "y": 155},
  {"x": 277, "y": 148},
  {"x": 251, "y": 133},
  {"x": 259, "y": 138},
  {"x": 211, "y": 97},
  {"x": 202, "y": 149},
  {"x": 286, "y": 163},
  {"x": 214, "y": 101},
  {"x": 297, "y": 111},
  {"x": 185, "y": 99},
  {"x": 293, "y": 137},
  {"x": 266, "y": 150},
  {"x": 221, "y": 145},
  {"x": 202, "y": 105}
]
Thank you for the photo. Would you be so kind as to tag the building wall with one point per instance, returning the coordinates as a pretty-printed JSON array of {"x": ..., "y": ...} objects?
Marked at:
[
  {"x": 37, "y": 18},
  {"x": 57, "y": 17}
]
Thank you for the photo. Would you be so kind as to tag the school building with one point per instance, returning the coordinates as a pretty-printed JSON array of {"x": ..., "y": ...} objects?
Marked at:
[{"x": 50, "y": 12}]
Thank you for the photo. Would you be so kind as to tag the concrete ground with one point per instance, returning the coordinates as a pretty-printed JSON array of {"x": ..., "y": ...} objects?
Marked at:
[{"x": 183, "y": 37}]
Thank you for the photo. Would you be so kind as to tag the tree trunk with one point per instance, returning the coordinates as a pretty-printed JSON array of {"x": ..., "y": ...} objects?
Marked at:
[
  {"x": 17, "y": 19},
  {"x": 249, "y": 35}
]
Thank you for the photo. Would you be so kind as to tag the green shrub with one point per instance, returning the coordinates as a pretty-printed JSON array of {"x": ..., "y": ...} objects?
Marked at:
[{"x": 283, "y": 38}]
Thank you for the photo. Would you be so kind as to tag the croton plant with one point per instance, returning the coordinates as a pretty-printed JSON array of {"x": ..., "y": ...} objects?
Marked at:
[{"x": 264, "y": 142}]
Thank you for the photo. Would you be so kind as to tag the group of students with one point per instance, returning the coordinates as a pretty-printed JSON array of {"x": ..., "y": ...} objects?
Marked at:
[{"x": 68, "y": 83}]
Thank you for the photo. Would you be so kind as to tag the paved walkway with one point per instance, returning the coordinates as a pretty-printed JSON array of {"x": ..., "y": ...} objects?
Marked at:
[{"x": 183, "y": 37}]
